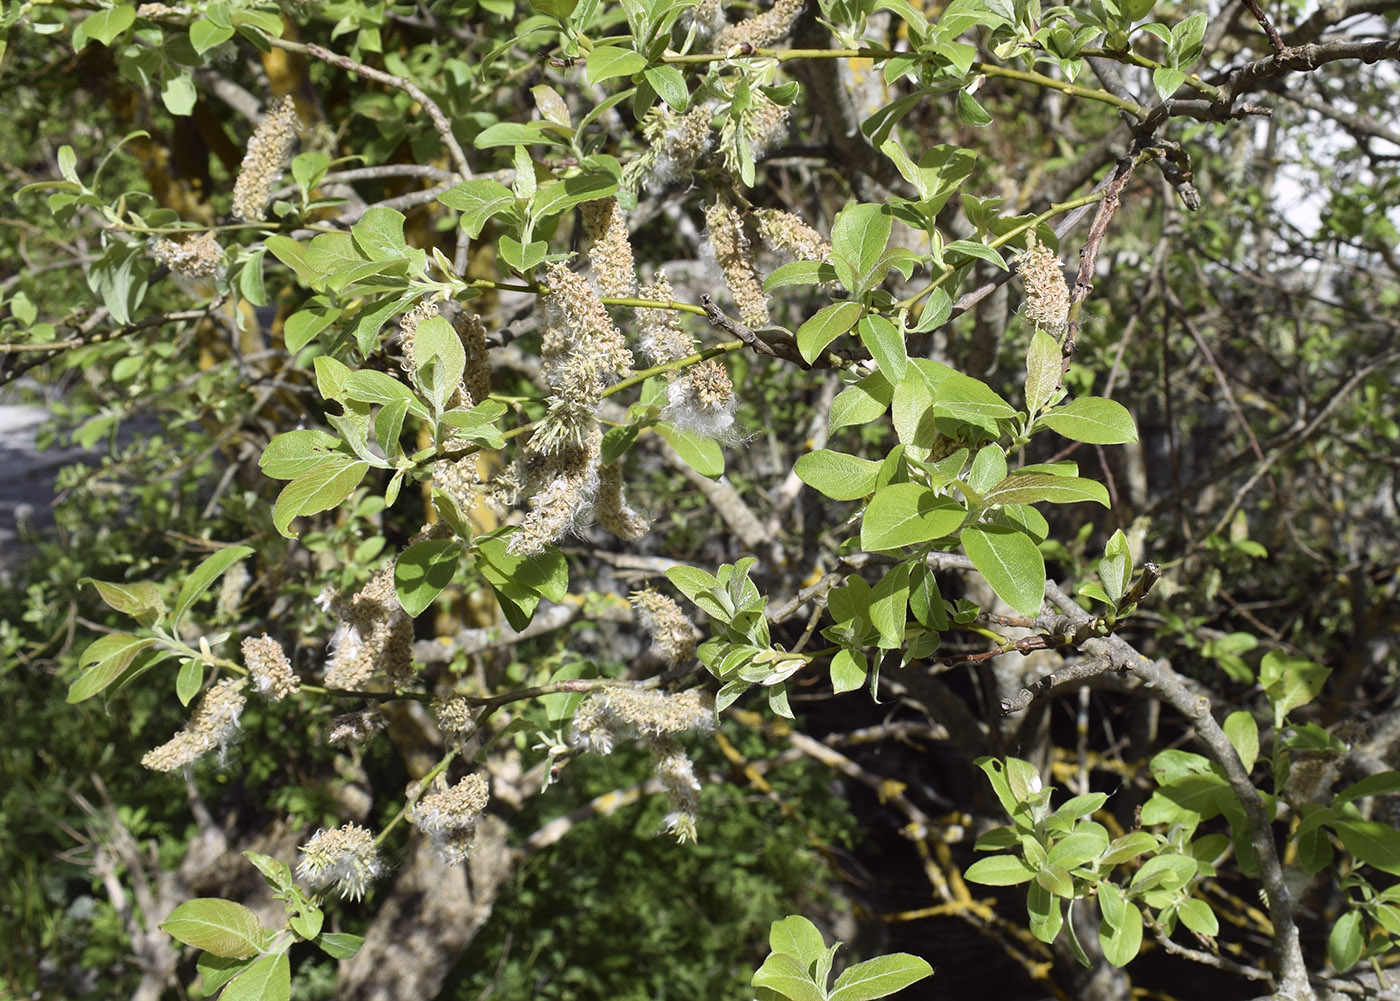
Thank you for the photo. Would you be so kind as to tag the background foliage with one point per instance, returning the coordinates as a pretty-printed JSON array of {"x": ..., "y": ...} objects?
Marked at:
[{"x": 954, "y": 532}]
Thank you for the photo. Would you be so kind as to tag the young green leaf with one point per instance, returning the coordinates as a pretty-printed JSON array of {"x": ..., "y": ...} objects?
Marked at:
[
  {"x": 885, "y": 343},
  {"x": 1092, "y": 420},
  {"x": 906, "y": 514},
  {"x": 267, "y": 979},
  {"x": 222, "y": 927},
  {"x": 829, "y": 323},
  {"x": 1243, "y": 733},
  {"x": 1011, "y": 562},
  {"x": 210, "y": 570},
  {"x": 422, "y": 571},
  {"x": 318, "y": 489},
  {"x": 836, "y": 474},
  {"x": 879, "y": 977}
]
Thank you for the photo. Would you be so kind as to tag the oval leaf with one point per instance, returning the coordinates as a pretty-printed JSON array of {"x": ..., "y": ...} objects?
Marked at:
[
  {"x": 222, "y": 927},
  {"x": 422, "y": 571},
  {"x": 906, "y": 514},
  {"x": 1011, "y": 562},
  {"x": 836, "y": 474},
  {"x": 1092, "y": 420},
  {"x": 876, "y": 978}
]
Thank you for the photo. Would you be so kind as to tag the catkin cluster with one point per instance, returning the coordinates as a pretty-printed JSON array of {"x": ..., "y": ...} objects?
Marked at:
[
  {"x": 197, "y": 257},
  {"x": 343, "y": 856},
  {"x": 582, "y": 352},
  {"x": 212, "y": 727},
  {"x": 786, "y": 232},
  {"x": 374, "y": 634},
  {"x": 268, "y": 152},
  {"x": 448, "y": 817},
  {"x": 672, "y": 635},
  {"x": 734, "y": 254},
  {"x": 1047, "y": 294},
  {"x": 269, "y": 667},
  {"x": 657, "y": 717},
  {"x": 765, "y": 29},
  {"x": 610, "y": 250}
]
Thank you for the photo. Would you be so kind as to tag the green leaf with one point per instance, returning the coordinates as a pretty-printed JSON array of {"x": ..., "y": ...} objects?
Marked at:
[
  {"x": 1198, "y": 917},
  {"x": 859, "y": 234},
  {"x": 829, "y": 323},
  {"x": 669, "y": 84},
  {"x": 103, "y": 663},
  {"x": 545, "y": 574},
  {"x": 1043, "y": 365},
  {"x": 215, "y": 971},
  {"x": 422, "y": 571},
  {"x": 524, "y": 258},
  {"x": 800, "y": 273},
  {"x": 906, "y": 514},
  {"x": 861, "y": 403},
  {"x": 978, "y": 250},
  {"x": 889, "y": 606},
  {"x": 518, "y": 134},
  {"x": 205, "y": 574},
  {"x": 105, "y": 25},
  {"x": 560, "y": 196},
  {"x": 797, "y": 937},
  {"x": 1165, "y": 872},
  {"x": 885, "y": 342},
  {"x": 1243, "y": 733},
  {"x": 368, "y": 385},
  {"x": 1166, "y": 80},
  {"x": 1011, "y": 562},
  {"x": 478, "y": 200},
  {"x": 1121, "y": 939},
  {"x": 222, "y": 927},
  {"x": 988, "y": 468},
  {"x": 970, "y": 112},
  {"x": 205, "y": 34},
  {"x": 1376, "y": 844},
  {"x": 189, "y": 681},
  {"x": 608, "y": 61},
  {"x": 876, "y": 978},
  {"x": 848, "y": 670},
  {"x": 837, "y": 475},
  {"x": 1346, "y": 942},
  {"x": 1290, "y": 682},
  {"x": 925, "y": 600},
  {"x": 999, "y": 870},
  {"x": 1092, "y": 420},
  {"x": 318, "y": 489},
  {"x": 141, "y": 599},
  {"x": 339, "y": 945},
  {"x": 1076, "y": 849},
  {"x": 292, "y": 453},
  {"x": 1380, "y": 784},
  {"x": 700, "y": 453},
  {"x": 1129, "y": 847},
  {"x": 1116, "y": 566},
  {"x": 788, "y": 976},
  {"x": 1032, "y": 488},
  {"x": 178, "y": 94},
  {"x": 268, "y": 979},
  {"x": 1045, "y": 912},
  {"x": 435, "y": 340}
]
